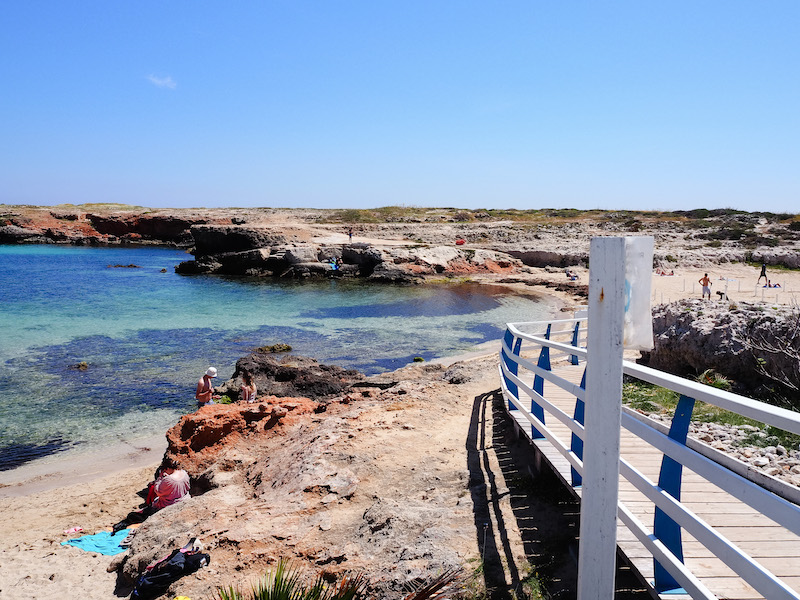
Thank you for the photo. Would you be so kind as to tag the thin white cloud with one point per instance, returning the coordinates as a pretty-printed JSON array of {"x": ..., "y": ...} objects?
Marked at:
[{"x": 162, "y": 82}]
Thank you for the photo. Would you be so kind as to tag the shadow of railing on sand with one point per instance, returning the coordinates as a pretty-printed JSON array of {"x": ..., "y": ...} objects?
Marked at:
[{"x": 545, "y": 512}]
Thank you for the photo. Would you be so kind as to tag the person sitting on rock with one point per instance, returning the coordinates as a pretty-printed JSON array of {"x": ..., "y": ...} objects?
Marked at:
[
  {"x": 171, "y": 485},
  {"x": 248, "y": 393}
]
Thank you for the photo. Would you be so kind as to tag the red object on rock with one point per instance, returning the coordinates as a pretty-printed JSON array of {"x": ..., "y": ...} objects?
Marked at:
[{"x": 460, "y": 242}]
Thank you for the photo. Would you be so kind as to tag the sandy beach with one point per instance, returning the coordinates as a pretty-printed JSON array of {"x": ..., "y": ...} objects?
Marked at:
[{"x": 40, "y": 501}]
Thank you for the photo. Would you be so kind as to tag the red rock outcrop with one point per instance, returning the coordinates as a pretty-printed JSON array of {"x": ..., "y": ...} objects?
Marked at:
[
  {"x": 165, "y": 228},
  {"x": 38, "y": 225},
  {"x": 198, "y": 439}
]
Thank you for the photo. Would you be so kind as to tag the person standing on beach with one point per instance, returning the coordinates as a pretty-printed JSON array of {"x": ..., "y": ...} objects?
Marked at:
[
  {"x": 204, "y": 394},
  {"x": 706, "y": 283},
  {"x": 350, "y": 234},
  {"x": 763, "y": 273}
]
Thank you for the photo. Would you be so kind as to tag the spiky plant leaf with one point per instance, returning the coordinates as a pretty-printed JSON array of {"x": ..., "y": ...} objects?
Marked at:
[{"x": 439, "y": 587}]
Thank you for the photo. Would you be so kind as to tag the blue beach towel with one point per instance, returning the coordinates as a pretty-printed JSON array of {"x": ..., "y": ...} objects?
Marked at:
[{"x": 104, "y": 542}]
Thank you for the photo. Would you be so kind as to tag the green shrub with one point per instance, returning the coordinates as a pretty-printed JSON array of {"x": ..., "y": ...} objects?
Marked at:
[
  {"x": 286, "y": 583},
  {"x": 714, "y": 379}
]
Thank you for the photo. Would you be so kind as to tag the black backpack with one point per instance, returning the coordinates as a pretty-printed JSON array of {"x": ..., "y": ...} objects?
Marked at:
[{"x": 158, "y": 576}]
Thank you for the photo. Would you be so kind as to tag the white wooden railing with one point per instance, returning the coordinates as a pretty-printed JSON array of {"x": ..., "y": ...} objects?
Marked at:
[{"x": 565, "y": 340}]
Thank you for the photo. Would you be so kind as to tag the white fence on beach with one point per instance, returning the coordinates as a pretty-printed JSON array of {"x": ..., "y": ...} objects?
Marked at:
[
  {"x": 563, "y": 340},
  {"x": 587, "y": 382}
]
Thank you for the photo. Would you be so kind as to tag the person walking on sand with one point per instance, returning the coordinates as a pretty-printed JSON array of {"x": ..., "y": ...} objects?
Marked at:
[
  {"x": 763, "y": 273},
  {"x": 706, "y": 283},
  {"x": 350, "y": 234},
  {"x": 205, "y": 391}
]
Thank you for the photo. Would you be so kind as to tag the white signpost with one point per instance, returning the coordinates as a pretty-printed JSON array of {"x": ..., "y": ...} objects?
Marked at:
[{"x": 619, "y": 314}]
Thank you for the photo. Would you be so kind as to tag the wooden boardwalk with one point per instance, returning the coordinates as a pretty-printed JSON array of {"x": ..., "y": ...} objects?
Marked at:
[{"x": 773, "y": 546}]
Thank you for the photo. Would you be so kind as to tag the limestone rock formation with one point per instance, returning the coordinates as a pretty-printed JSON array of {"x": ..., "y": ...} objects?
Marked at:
[
  {"x": 259, "y": 250},
  {"x": 162, "y": 228},
  {"x": 12, "y": 234},
  {"x": 694, "y": 335},
  {"x": 220, "y": 239}
]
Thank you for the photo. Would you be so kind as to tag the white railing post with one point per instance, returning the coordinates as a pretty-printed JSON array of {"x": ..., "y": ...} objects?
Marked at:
[{"x": 598, "y": 529}]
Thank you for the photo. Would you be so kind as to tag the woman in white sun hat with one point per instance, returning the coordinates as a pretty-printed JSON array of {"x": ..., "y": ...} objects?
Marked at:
[{"x": 205, "y": 390}]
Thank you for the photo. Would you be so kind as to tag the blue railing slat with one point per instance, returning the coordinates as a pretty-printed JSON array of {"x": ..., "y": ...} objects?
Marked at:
[
  {"x": 576, "y": 444},
  {"x": 669, "y": 479}
]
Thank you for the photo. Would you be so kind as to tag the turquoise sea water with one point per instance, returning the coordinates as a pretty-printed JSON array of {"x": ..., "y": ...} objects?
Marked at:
[{"x": 148, "y": 335}]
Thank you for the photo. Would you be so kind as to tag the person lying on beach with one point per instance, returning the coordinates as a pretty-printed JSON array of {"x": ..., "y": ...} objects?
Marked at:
[{"x": 171, "y": 485}]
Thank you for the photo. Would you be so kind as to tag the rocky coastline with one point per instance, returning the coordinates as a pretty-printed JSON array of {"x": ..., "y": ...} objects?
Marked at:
[
  {"x": 225, "y": 239},
  {"x": 371, "y": 478},
  {"x": 755, "y": 346},
  {"x": 330, "y": 468},
  {"x": 342, "y": 472}
]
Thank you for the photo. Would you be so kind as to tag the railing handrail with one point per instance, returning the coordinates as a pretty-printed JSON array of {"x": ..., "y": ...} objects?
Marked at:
[
  {"x": 772, "y": 506},
  {"x": 769, "y": 414}
]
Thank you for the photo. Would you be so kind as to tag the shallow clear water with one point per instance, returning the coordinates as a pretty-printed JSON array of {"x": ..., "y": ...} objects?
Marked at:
[{"x": 148, "y": 335}]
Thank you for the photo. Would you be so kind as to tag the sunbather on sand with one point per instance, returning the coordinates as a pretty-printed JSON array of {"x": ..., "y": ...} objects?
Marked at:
[{"x": 171, "y": 486}]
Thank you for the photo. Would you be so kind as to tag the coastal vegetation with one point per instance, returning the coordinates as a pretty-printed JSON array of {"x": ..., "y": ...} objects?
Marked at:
[
  {"x": 654, "y": 399},
  {"x": 286, "y": 582},
  {"x": 700, "y": 217}
]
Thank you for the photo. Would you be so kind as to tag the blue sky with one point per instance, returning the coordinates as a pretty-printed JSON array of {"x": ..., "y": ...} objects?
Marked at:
[{"x": 331, "y": 104}]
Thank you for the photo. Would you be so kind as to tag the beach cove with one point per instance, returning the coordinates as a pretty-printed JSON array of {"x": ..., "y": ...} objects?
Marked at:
[
  {"x": 111, "y": 359},
  {"x": 403, "y": 457}
]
